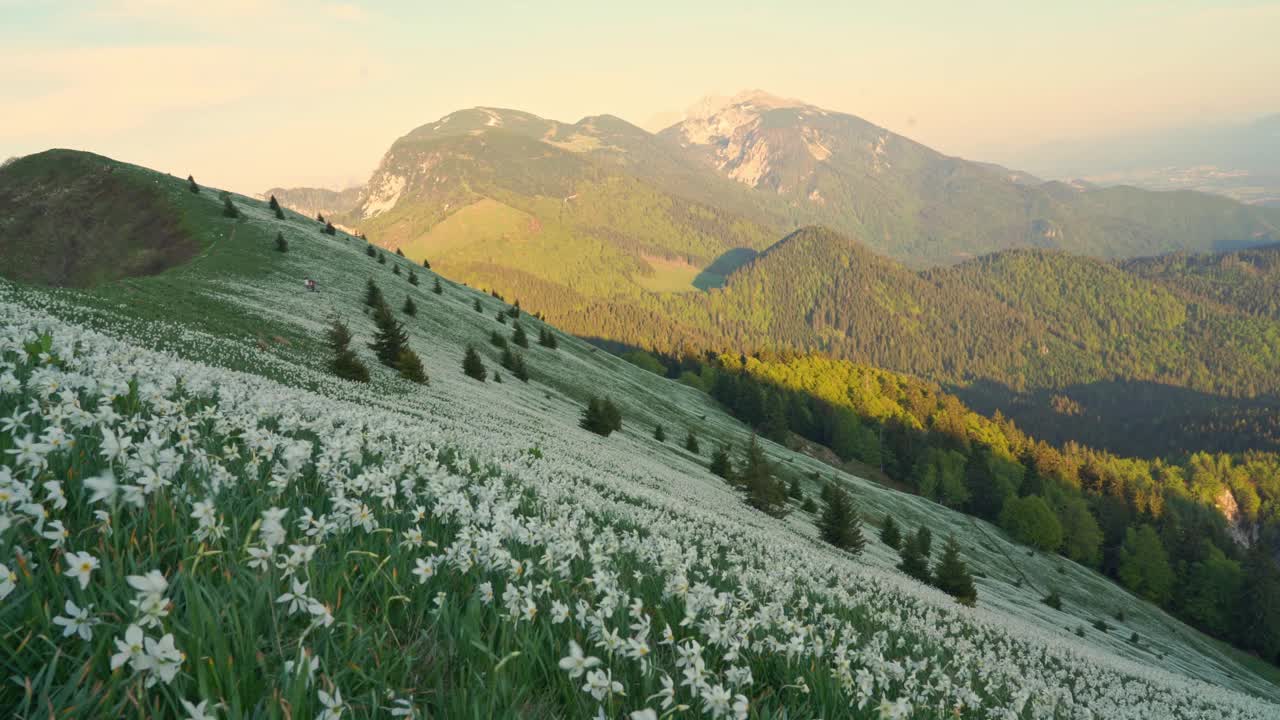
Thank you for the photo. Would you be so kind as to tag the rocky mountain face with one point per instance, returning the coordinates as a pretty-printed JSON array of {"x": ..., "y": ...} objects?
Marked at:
[{"x": 780, "y": 164}]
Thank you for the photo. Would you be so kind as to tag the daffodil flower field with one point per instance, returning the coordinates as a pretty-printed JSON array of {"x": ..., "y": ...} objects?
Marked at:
[{"x": 194, "y": 526}]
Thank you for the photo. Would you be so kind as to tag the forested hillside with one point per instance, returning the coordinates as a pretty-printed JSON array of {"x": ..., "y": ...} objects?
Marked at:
[
  {"x": 1075, "y": 348},
  {"x": 1246, "y": 280},
  {"x": 1195, "y": 535}
]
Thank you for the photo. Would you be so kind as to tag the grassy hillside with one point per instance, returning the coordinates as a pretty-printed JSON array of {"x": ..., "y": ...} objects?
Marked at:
[
  {"x": 74, "y": 219},
  {"x": 244, "y": 446}
]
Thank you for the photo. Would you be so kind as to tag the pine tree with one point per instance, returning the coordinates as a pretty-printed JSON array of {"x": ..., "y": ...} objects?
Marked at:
[
  {"x": 518, "y": 337},
  {"x": 390, "y": 339},
  {"x": 368, "y": 250},
  {"x": 413, "y": 277},
  {"x": 279, "y": 214},
  {"x": 410, "y": 308},
  {"x": 501, "y": 317},
  {"x": 373, "y": 295},
  {"x": 721, "y": 463},
  {"x": 515, "y": 310},
  {"x": 764, "y": 493},
  {"x": 400, "y": 252},
  {"x": 382, "y": 259},
  {"x": 889, "y": 533},
  {"x": 915, "y": 555},
  {"x": 436, "y": 288},
  {"x": 426, "y": 264},
  {"x": 338, "y": 336},
  {"x": 497, "y": 340},
  {"x": 497, "y": 376},
  {"x": 612, "y": 415},
  {"x": 395, "y": 268},
  {"x": 840, "y": 524},
  {"x": 282, "y": 245},
  {"x": 319, "y": 217},
  {"x": 345, "y": 363},
  {"x": 951, "y": 575},
  {"x": 794, "y": 491},
  {"x": 546, "y": 338},
  {"x": 595, "y": 418},
  {"x": 191, "y": 184},
  {"x": 476, "y": 304},
  {"x": 410, "y": 367},
  {"x": 520, "y": 370},
  {"x": 273, "y": 203},
  {"x": 659, "y": 434},
  {"x": 472, "y": 365},
  {"x": 507, "y": 360},
  {"x": 228, "y": 209},
  {"x": 691, "y": 443}
]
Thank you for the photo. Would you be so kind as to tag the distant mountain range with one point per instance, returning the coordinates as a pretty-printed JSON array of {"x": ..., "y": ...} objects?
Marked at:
[
  {"x": 760, "y": 223},
  {"x": 1241, "y": 162}
]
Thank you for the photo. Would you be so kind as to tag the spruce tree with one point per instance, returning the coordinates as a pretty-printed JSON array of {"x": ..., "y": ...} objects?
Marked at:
[
  {"x": 413, "y": 277},
  {"x": 764, "y": 493},
  {"x": 497, "y": 340},
  {"x": 382, "y": 259},
  {"x": 410, "y": 308},
  {"x": 515, "y": 309},
  {"x": 476, "y": 305},
  {"x": 840, "y": 524},
  {"x": 191, "y": 184},
  {"x": 721, "y": 462},
  {"x": 373, "y": 295},
  {"x": 518, "y": 337},
  {"x": 228, "y": 209},
  {"x": 273, "y": 203},
  {"x": 794, "y": 491},
  {"x": 507, "y": 360},
  {"x": 546, "y": 338},
  {"x": 338, "y": 336},
  {"x": 436, "y": 288},
  {"x": 472, "y": 365},
  {"x": 951, "y": 575},
  {"x": 410, "y": 367},
  {"x": 691, "y": 443},
  {"x": 914, "y": 556},
  {"x": 390, "y": 339},
  {"x": 659, "y": 434},
  {"x": 319, "y": 217},
  {"x": 501, "y": 317},
  {"x": 279, "y": 214},
  {"x": 593, "y": 418},
  {"x": 520, "y": 370},
  {"x": 368, "y": 250},
  {"x": 400, "y": 252},
  {"x": 395, "y": 268},
  {"x": 282, "y": 245},
  {"x": 345, "y": 363},
  {"x": 612, "y": 415},
  {"x": 426, "y": 264},
  {"x": 889, "y": 533},
  {"x": 497, "y": 376}
]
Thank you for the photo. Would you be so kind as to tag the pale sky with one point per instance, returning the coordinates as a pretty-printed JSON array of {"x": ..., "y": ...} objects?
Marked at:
[{"x": 248, "y": 95}]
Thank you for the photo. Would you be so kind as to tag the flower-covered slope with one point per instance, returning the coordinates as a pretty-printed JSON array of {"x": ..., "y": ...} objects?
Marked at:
[{"x": 182, "y": 539}]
